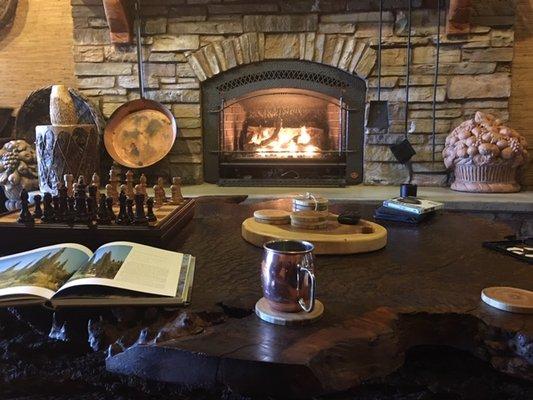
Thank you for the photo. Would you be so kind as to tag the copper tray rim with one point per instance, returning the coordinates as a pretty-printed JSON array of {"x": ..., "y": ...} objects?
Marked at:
[{"x": 121, "y": 113}]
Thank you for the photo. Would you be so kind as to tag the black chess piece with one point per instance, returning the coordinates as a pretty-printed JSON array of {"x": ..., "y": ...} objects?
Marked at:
[
  {"x": 38, "y": 211},
  {"x": 63, "y": 200},
  {"x": 25, "y": 216},
  {"x": 58, "y": 217},
  {"x": 48, "y": 210},
  {"x": 150, "y": 210},
  {"x": 91, "y": 209},
  {"x": 93, "y": 193},
  {"x": 140, "y": 216},
  {"x": 109, "y": 202},
  {"x": 102, "y": 214},
  {"x": 122, "y": 217},
  {"x": 129, "y": 211},
  {"x": 80, "y": 203},
  {"x": 70, "y": 216}
]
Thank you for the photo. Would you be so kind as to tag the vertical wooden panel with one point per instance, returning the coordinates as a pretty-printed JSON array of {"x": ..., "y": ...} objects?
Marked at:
[
  {"x": 37, "y": 51},
  {"x": 521, "y": 103}
]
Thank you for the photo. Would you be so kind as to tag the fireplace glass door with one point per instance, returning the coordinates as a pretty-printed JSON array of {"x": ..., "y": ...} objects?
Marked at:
[{"x": 282, "y": 124}]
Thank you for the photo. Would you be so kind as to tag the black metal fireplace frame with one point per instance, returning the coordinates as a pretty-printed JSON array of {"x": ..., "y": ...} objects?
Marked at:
[{"x": 292, "y": 74}]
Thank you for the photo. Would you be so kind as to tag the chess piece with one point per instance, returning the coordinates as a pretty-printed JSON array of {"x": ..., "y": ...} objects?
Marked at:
[
  {"x": 48, "y": 211},
  {"x": 37, "y": 200},
  {"x": 175, "y": 190},
  {"x": 71, "y": 210},
  {"x": 159, "y": 193},
  {"x": 129, "y": 185},
  {"x": 140, "y": 216},
  {"x": 25, "y": 216},
  {"x": 140, "y": 190},
  {"x": 95, "y": 180},
  {"x": 110, "y": 211},
  {"x": 63, "y": 200},
  {"x": 69, "y": 184},
  {"x": 80, "y": 204},
  {"x": 91, "y": 209},
  {"x": 102, "y": 214},
  {"x": 112, "y": 190},
  {"x": 122, "y": 217},
  {"x": 161, "y": 184},
  {"x": 142, "y": 182},
  {"x": 129, "y": 210},
  {"x": 93, "y": 195},
  {"x": 150, "y": 210},
  {"x": 57, "y": 212}
]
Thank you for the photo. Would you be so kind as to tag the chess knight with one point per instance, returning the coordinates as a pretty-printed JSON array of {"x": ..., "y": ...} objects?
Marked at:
[{"x": 18, "y": 170}]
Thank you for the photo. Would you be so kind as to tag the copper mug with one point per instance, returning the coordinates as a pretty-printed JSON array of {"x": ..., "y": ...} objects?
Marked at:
[{"x": 287, "y": 275}]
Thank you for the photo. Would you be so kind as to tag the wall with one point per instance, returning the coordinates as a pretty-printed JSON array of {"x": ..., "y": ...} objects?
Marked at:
[
  {"x": 37, "y": 50},
  {"x": 522, "y": 89},
  {"x": 187, "y": 43}
]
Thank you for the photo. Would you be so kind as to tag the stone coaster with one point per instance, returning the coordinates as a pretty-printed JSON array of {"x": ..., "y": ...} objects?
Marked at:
[{"x": 266, "y": 313}]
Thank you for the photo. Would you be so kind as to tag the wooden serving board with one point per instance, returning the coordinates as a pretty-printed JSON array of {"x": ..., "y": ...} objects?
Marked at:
[{"x": 334, "y": 239}]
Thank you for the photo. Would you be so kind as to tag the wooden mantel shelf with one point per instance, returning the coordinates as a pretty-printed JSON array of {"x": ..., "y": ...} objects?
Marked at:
[{"x": 120, "y": 20}]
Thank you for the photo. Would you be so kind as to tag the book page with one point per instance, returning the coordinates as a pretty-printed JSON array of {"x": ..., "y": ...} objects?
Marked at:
[
  {"x": 42, "y": 271},
  {"x": 131, "y": 266}
]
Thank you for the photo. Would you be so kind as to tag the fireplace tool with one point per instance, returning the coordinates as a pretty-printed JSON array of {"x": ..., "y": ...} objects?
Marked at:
[
  {"x": 378, "y": 110},
  {"x": 140, "y": 132},
  {"x": 403, "y": 151}
]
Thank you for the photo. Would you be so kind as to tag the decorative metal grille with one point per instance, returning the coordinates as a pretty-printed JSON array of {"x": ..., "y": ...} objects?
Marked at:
[{"x": 282, "y": 74}]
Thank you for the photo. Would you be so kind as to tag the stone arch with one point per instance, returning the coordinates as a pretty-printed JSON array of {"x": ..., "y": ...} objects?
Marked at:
[{"x": 348, "y": 53}]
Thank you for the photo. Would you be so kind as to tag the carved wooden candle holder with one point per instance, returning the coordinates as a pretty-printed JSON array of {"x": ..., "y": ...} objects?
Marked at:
[{"x": 65, "y": 147}]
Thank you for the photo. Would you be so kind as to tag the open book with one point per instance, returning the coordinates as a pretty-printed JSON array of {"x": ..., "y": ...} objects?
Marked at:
[{"x": 118, "y": 273}]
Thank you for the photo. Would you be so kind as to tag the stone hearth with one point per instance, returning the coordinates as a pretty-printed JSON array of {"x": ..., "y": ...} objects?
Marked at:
[{"x": 187, "y": 42}]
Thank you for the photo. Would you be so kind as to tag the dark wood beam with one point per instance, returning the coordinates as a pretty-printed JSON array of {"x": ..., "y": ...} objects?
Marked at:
[
  {"x": 458, "y": 21},
  {"x": 120, "y": 21}
]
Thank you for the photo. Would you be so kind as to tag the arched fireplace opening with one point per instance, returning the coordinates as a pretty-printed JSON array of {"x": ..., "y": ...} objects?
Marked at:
[{"x": 283, "y": 123}]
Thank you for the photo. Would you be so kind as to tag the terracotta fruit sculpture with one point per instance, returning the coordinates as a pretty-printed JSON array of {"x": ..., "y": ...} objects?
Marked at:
[{"x": 486, "y": 155}]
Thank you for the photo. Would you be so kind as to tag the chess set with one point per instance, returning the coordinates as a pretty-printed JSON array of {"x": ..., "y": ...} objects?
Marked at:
[{"x": 86, "y": 214}]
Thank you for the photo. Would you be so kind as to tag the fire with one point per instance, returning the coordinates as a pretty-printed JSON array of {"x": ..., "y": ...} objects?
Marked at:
[{"x": 287, "y": 143}]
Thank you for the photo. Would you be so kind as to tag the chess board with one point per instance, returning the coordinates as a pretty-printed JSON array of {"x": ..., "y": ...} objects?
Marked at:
[{"x": 171, "y": 219}]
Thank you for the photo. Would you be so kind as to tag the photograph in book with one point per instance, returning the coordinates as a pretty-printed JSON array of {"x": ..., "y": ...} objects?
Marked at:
[
  {"x": 49, "y": 268},
  {"x": 105, "y": 263}
]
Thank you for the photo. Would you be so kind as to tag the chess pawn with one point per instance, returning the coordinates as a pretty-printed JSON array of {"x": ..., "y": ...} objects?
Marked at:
[
  {"x": 110, "y": 193},
  {"x": 150, "y": 210},
  {"x": 71, "y": 210},
  {"x": 102, "y": 214},
  {"x": 58, "y": 217},
  {"x": 129, "y": 210},
  {"x": 161, "y": 184},
  {"x": 95, "y": 180},
  {"x": 113, "y": 189},
  {"x": 48, "y": 211},
  {"x": 109, "y": 202},
  {"x": 69, "y": 184},
  {"x": 37, "y": 200},
  {"x": 25, "y": 216},
  {"x": 175, "y": 190},
  {"x": 142, "y": 182},
  {"x": 159, "y": 194}
]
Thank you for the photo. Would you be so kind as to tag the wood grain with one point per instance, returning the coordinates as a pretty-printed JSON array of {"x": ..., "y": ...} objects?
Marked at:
[
  {"x": 37, "y": 50},
  {"x": 521, "y": 106}
]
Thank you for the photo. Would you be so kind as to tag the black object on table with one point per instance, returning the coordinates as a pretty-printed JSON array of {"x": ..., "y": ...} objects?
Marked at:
[
  {"x": 507, "y": 246},
  {"x": 390, "y": 214}
]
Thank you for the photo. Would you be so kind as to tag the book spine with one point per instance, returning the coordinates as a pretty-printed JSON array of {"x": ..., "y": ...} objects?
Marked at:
[{"x": 402, "y": 207}]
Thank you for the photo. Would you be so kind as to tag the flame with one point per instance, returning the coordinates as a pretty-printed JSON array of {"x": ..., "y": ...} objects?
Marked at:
[{"x": 290, "y": 142}]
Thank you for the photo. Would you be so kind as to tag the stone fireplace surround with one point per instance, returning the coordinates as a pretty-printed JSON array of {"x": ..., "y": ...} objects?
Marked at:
[{"x": 186, "y": 42}]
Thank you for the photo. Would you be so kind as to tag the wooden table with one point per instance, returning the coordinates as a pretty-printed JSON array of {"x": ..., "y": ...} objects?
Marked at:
[{"x": 422, "y": 289}]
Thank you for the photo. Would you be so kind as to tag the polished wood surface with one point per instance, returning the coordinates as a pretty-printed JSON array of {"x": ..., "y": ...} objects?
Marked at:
[{"x": 422, "y": 289}]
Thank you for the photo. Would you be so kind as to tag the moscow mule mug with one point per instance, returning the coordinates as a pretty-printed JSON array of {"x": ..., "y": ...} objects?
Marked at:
[{"x": 287, "y": 275}]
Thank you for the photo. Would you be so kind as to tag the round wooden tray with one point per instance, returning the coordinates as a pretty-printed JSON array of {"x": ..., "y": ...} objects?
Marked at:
[{"x": 334, "y": 239}]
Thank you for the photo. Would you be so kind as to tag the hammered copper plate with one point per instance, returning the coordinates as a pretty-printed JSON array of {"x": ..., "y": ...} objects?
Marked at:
[{"x": 140, "y": 133}]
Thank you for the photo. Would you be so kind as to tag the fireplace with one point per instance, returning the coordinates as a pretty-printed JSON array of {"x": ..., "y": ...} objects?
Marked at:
[{"x": 283, "y": 123}]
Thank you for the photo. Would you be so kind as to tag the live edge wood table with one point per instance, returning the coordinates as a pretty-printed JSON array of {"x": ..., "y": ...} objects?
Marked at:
[{"x": 422, "y": 289}]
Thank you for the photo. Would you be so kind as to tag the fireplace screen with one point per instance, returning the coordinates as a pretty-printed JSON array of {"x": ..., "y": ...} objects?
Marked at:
[{"x": 282, "y": 123}]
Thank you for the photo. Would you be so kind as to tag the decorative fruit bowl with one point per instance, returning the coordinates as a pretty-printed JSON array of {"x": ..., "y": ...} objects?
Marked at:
[{"x": 486, "y": 155}]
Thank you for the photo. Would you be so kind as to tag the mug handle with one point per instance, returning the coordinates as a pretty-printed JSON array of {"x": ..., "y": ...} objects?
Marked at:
[{"x": 305, "y": 269}]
